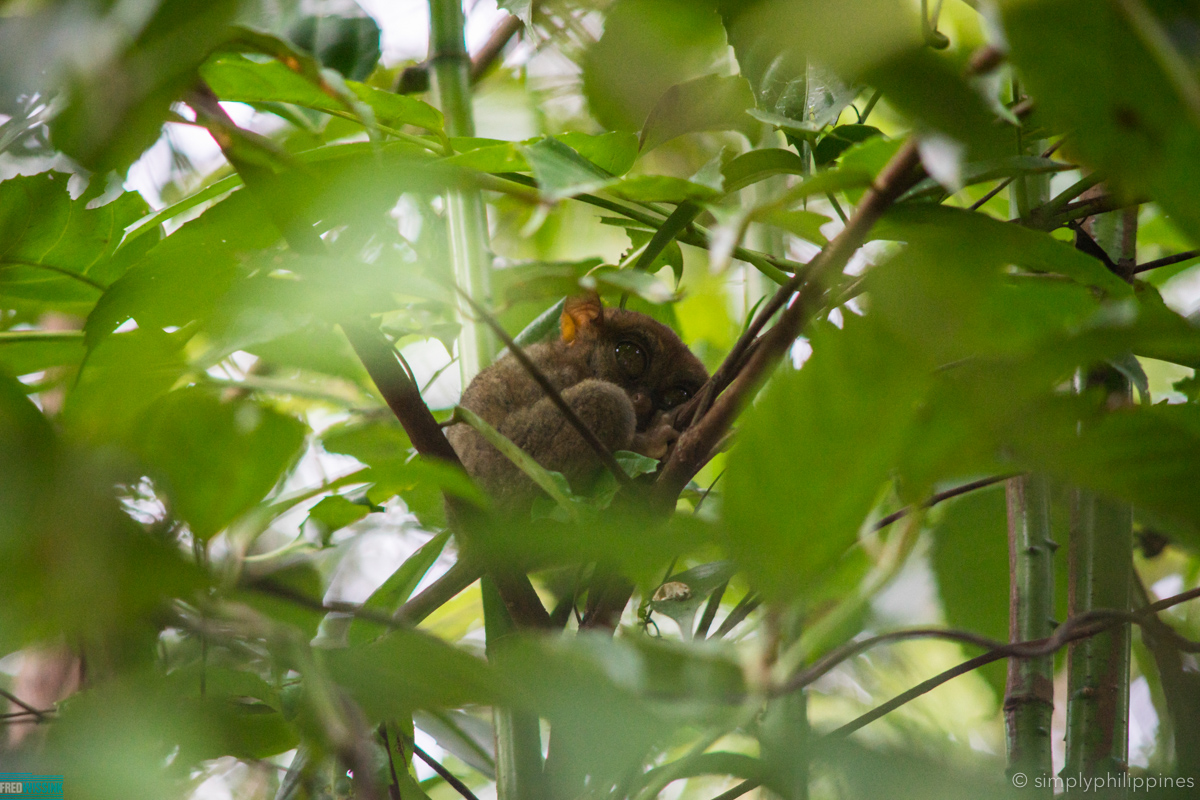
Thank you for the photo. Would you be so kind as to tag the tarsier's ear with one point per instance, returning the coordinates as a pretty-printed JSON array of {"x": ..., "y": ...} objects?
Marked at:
[{"x": 579, "y": 314}]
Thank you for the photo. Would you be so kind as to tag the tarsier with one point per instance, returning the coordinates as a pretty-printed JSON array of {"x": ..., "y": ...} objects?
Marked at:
[{"x": 623, "y": 373}]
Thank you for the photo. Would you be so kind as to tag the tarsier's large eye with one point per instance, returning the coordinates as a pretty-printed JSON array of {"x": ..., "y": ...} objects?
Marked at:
[
  {"x": 631, "y": 358},
  {"x": 675, "y": 396}
]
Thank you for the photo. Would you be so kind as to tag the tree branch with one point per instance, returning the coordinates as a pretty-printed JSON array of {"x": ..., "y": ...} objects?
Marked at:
[
  {"x": 398, "y": 391},
  {"x": 982, "y": 483},
  {"x": 383, "y": 365},
  {"x": 1167, "y": 261},
  {"x": 446, "y": 774},
  {"x": 699, "y": 439}
]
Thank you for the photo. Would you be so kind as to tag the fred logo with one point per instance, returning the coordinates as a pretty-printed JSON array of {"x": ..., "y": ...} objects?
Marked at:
[{"x": 30, "y": 787}]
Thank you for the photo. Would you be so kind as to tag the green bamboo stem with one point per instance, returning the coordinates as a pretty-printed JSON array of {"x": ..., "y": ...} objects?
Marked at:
[
  {"x": 1101, "y": 569},
  {"x": 1029, "y": 694},
  {"x": 1029, "y": 691},
  {"x": 466, "y": 218},
  {"x": 1098, "y": 667},
  {"x": 518, "y": 735}
]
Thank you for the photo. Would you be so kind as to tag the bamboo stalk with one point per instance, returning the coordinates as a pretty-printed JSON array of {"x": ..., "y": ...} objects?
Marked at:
[
  {"x": 1029, "y": 694},
  {"x": 1029, "y": 691},
  {"x": 466, "y": 218},
  {"x": 518, "y": 735},
  {"x": 1101, "y": 569}
]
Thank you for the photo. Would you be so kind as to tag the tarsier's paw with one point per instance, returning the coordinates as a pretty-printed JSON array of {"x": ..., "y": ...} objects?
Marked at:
[{"x": 655, "y": 442}]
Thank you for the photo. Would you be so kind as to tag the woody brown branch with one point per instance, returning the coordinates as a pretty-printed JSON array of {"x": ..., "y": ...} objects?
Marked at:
[
  {"x": 398, "y": 390},
  {"x": 697, "y": 442}
]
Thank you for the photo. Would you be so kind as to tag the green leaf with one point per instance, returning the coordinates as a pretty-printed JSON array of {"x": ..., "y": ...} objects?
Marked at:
[
  {"x": 643, "y": 284},
  {"x": 348, "y": 44},
  {"x": 647, "y": 47},
  {"x": 464, "y": 735},
  {"x": 844, "y": 416},
  {"x": 775, "y": 38},
  {"x": 970, "y": 560},
  {"x": 376, "y": 444},
  {"x": 334, "y": 513},
  {"x": 608, "y": 698},
  {"x": 55, "y": 253},
  {"x": 1108, "y": 452},
  {"x": 758, "y": 165},
  {"x": 681, "y": 595},
  {"x": 23, "y": 352},
  {"x": 804, "y": 224},
  {"x": 521, "y": 9},
  {"x": 998, "y": 242},
  {"x": 1133, "y": 113},
  {"x": 395, "y": 110},
  {"x": 561, "y": 172},
  {"x": 317, "y": 347},
  {"x": 407, "y": 670},
  {"x": 216, "y": 460},
  {"x": 107, "y": 574},
  {"x": 838, "y": 140},
  {"x": 399, "y": 586},
  {"x": 236, "y": 77},
  {"x": 541, "y": 327},
  {"x": 710, "y": 103},
  {"x": 121, "y": 377},
  {"x": 501, "y": 157},
  {"x": 116, "y": 109},
  {"x": 658, "y": 250},
  {"x": 931, "y": 92},
  {"x": 636, "y": 464},
  {"x": 128, "y": 736},
  {"x": 182, "y": 277},
  {"x": 613, "y": 152},
  {"x": 385, "y": 448},
  {"x": 801, "y": 129},
  {"x": 662, "y": 189}
]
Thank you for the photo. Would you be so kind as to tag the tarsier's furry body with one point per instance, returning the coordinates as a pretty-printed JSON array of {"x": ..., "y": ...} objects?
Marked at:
[{"x": 620, "y": 371}]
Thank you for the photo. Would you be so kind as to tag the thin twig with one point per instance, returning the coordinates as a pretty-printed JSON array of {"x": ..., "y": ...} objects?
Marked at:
[
  {"x": 22, "y": 717},
  {"x": 449, "y": 777},
  {"x": 862, "y": 118},
  {"x": 12, "y": 698},
  {"x": 707, "y": 492},
  {"x": 1080, "y": 627},
  {"x": 739, "y": 790},
  {"x": 830, "y": 660},
  {"x": 394, "y": 789},
  {"x": 940, "y": 497},
  {"x": 304, "y": 601},
  {"x": 1167, "y": 261},
  {"x": 605, "y": 456},
  {"x": 1004, "y": 183}
]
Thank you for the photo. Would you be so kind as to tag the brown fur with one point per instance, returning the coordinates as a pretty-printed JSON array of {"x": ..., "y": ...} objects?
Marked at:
[{"x": 624, "y": 413}]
